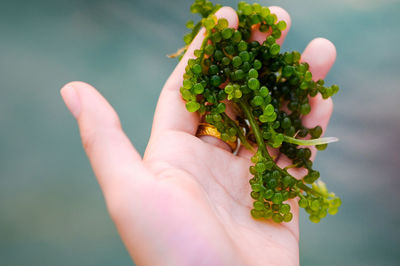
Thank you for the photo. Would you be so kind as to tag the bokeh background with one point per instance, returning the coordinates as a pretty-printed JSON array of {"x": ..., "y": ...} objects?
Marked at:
[{"x": 51, "y": 209}]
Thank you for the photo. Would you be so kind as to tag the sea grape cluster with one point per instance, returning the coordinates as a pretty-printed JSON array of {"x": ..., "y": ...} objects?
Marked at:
[{"x": 270, "y": 92}]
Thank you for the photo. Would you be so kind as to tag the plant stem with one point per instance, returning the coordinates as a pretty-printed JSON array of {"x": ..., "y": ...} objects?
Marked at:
[
  {"x": 242, "y": 138},
  {"x": 203, "y": 45},
  {"x": 306, "y": 188},
  {"x": 261, "y": 145},
  {"x": 256, "y": 129}
]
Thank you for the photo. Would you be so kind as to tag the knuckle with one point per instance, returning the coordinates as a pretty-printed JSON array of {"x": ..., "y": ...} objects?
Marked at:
[
  {"x": 89, "y": 139},
  {"x": 92, "y": 136}
]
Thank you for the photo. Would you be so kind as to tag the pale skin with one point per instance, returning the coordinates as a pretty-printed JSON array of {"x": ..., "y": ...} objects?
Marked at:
[{"x": 186, "y": 202}]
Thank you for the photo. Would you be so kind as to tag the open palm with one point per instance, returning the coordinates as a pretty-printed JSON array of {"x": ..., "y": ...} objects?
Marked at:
[{"x": 186, "y": 202}]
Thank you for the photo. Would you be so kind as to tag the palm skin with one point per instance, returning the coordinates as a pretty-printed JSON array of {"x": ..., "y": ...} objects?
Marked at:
[
  {"x": 211, "y": 190},
  {"x": 186, "y": 202}
]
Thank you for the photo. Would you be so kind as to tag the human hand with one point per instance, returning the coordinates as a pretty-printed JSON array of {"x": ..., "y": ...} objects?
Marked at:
[{"x": 186, "y": 202}]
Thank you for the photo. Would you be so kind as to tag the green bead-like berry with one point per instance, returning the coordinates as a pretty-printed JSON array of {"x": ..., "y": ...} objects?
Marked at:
[
  {"x": 258, "y": 100},
  {"x": 258, "y": 205},
  {"x": 216, "y": 80},
  {"x": 197, "y": 69},
  {"x": 257, "y": 64},
  {"x": 287, "y": 217},
  {"x": 269, "y": 194},
  {"x": 253, "y": 73},
  {"x": 227, "y": 33},
  {"x": 198, "y": 88},
  {"x": 277, "y": 198},
  {"x": 253, "y": 84},
  {"x": 236, "y": 61},
  {"x": 314, "y": 219},
  {"x": 281, "y": 25},
  {"x": 277, "y": 217},
  {"x": 275, "y": 48},
  {"x": 242, "y": 46},
  {"x": 192, "y": 106},
  {"x": 245, "y": 56},
  {"x": 285, "y": 208},
  {"x": 303, "y": 203}
]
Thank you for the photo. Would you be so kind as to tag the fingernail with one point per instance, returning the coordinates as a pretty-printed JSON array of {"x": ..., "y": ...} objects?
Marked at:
[{"x": 71, "y": 99}]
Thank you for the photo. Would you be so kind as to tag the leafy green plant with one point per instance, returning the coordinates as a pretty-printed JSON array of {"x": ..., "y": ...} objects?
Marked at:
[{"x": 270, "y": 91}]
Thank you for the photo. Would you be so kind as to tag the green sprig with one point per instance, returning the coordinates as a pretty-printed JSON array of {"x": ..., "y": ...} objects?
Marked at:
[{"x": 271, "y": 90}]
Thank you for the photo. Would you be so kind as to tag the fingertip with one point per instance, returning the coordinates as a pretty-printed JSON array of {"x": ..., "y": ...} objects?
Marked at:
[
  {"x": 282, "y": 14},
  {"x": 88, "y": 106},
  {"x": 71, "y": 99},
  {"x": 320, "y": 54},
  {"x": 233, "y": 22},
  {"x": 329, "y": 46},
  {"x": 323, "y": 46},
  {"x": 77, "y": 83},
  {"x": 79, "y": 87},
  {"x": 229, "y": 14},
  {"x": 224, "y": 12}
]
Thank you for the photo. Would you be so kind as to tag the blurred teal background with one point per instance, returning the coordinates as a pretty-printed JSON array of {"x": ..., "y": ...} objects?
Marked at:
[{"x": 51, "y": 209}]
